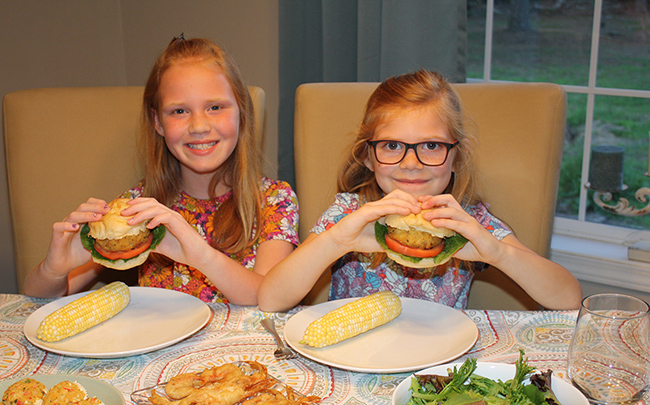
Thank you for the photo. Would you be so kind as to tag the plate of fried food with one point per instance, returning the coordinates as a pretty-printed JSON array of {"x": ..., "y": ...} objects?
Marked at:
[
  {"x": 62, "y": 389},
  {"x": 238, "y": 383}
]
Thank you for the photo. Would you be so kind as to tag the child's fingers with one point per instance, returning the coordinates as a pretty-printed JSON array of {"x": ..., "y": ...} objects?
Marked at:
[
  {"x": 78, "y": 217},
  {"x": 63, "y": 227},
  {"x": 442, "y": 200},
  {"x": 401, "y": 195},
  {"x": 93, "y": 205}
]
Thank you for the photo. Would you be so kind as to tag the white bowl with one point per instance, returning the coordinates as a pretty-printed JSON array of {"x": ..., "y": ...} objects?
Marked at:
[{"x": 566, "y": 393}]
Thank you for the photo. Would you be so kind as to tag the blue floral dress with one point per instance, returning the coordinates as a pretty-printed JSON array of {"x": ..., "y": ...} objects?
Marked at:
[{"x": 353, "y": 277}]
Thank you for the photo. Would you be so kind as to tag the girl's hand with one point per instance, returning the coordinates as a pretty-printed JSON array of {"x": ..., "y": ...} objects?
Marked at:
[
  {"x": 356, "y": 232},
  {"x": 482, "y": 245},
  {"x": 182, "y": 242},
  {"x": 66, "y": 252}
]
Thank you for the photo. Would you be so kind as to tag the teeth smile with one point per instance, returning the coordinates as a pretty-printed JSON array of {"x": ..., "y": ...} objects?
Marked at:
[{"x": 201, "y": 146}]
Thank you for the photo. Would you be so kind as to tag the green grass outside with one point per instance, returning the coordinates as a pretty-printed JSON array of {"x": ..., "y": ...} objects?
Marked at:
[{"x": 557, "y": 50}]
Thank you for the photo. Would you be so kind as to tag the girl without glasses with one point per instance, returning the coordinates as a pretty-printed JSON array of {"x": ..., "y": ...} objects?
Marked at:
[
  {"x": 226, "y": 224},
  {"x": 411, "y": 153}
]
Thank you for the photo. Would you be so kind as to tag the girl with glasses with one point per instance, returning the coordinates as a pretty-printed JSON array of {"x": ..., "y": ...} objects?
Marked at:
[{"x": 411, "y": 153}]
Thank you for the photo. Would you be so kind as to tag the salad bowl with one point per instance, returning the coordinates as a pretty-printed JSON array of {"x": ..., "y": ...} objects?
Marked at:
[{"x": 564, "y": 391}]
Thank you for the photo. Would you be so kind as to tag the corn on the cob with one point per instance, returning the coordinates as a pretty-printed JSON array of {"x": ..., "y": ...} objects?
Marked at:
[
  {"x": 352, "y": 319},
  {"x": 85, "y": 312}
]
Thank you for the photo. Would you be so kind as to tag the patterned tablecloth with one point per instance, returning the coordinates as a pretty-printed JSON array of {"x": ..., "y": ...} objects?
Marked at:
[{"x": 235, "y": 334}]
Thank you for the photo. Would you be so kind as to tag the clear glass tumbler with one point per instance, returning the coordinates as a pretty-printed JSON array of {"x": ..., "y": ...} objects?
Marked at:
[{"x": 609, "y": 355}]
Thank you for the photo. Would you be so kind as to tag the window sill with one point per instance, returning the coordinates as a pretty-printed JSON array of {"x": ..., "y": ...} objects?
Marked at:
[{"x": 596, "y": 260}]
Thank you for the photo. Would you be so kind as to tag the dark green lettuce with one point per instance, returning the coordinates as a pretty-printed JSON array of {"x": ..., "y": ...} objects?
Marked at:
[{"x": 88, "y": 241}]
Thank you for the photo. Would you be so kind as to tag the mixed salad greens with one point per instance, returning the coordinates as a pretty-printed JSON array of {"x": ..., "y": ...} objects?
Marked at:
[{"x": 463, "y": 387}]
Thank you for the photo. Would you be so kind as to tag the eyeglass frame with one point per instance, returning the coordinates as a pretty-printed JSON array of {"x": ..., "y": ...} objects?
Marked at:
[{"x": 413, "y": 146}]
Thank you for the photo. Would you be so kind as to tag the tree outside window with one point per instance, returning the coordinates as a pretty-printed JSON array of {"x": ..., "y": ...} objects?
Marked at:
[{"x": 552, "y": 41}]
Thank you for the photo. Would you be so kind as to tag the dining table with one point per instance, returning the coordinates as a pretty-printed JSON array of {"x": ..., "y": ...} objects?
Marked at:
[{"x": 234, "y": 333}]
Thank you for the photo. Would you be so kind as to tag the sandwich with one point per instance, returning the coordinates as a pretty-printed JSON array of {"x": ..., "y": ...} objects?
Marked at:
[
  {"x": 114, "y": 243},
  {"x": 412, "y": 241}
]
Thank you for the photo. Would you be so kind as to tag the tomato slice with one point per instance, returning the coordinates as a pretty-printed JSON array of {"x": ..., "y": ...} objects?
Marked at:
[
  {"x": 397, "y": 247},
  {"x": 126, "y": 254}
]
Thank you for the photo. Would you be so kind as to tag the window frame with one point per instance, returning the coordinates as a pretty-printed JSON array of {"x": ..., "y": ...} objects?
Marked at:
[{"x": 592, "y": 252}]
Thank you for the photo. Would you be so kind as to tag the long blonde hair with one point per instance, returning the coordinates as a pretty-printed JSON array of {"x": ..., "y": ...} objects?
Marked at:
[
  {"x": 234, "y": 221},
  {"x": 418, "y": 89}
]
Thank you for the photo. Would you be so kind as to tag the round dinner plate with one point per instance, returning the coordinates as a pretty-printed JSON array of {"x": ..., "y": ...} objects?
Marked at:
[
  {"x": 108, "y": 394},
  {"x": 565, "y": 392},
  {"x": 424, "y": 334},
  {"x": 155, "y": 318}
]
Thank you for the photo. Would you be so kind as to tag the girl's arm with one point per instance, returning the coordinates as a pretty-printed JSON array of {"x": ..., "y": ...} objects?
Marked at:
[
  {"x": 236, "y": 282},
  {"x": 548, "y": 283},
  {"x": 184, "y": 244},
  {"x": 291, "y": 279},
  {"x": 67, "y": 267},
  {"x": 40, "y": 282}
]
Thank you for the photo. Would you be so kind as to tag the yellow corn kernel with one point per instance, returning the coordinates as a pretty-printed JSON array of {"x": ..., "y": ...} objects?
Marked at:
[
  {"x": 85, "y": 312},
  {"x": 352, "y": 319}
]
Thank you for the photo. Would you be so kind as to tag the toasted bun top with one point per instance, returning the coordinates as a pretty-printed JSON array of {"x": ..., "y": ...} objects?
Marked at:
[
  {"x": 415, "y": 221},
  {"x": 114, "y": 225}
]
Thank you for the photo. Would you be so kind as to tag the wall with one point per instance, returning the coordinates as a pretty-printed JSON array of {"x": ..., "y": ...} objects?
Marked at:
[{"x": 113, "y": 43}]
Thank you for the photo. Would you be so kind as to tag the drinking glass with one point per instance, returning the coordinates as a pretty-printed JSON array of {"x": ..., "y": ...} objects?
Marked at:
[{"x": 609, "y": 355}]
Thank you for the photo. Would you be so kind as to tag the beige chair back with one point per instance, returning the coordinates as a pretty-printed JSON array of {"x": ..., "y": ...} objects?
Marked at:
[
  {"x": 521, "y": 132},
  {"x": 64, "y": 145}
]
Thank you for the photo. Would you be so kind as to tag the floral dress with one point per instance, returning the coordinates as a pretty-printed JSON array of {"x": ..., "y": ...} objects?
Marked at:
[
  {"x": 353, "y": 277},
  {"x": 280, "y": 213}
]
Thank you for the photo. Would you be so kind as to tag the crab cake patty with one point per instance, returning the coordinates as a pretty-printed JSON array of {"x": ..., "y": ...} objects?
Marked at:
[
  {"x": 26, "y": 392},
  {"x": 64, "y": 393}
]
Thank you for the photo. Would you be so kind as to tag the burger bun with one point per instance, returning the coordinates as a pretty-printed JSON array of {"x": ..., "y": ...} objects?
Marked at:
[
  {"x": 453, "y": 241},
  {"x": 415, "y": 221},
  {"x": 425, "y": 263},
  {"x": 114, "y": 225},
  {"x": 122, "y": 264}
]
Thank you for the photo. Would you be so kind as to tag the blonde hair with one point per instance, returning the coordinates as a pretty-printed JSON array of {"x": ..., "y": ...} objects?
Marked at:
[
  {"x": 234, "y": 221},
  {"x": 420, "y": 89}
]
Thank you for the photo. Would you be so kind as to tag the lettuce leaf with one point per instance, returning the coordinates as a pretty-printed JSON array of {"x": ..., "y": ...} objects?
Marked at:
[
  {"x": 452, "y": 245},
  {"x": 88, "y": 241}
]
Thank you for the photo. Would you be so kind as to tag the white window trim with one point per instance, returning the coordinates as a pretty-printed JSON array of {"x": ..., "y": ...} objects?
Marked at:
[
  {"x": 592, "y": 252},
  {"x": 599, "y": 253}
]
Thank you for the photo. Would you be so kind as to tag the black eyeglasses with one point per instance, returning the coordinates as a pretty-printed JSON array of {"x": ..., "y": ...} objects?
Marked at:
[{"x": 428, "y": 153}]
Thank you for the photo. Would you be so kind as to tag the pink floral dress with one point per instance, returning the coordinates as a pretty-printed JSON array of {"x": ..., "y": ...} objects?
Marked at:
[
  {"x": 353, "y": 277},
  {"x": 280, "y": 213}
]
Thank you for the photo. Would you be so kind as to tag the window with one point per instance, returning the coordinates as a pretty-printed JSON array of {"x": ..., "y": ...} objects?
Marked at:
[{"x": 599, "y": 51}]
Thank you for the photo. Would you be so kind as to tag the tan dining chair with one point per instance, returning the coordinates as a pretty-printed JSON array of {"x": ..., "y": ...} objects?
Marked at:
[
  {"x": 64, "y": 145},
  {"x": 521, "y": 132}
]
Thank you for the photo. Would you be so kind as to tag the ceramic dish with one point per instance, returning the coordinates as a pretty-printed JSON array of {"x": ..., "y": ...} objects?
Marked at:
[
  {"x": 396, "y": 347},
  {"x": 155, "y": 318},
  {"x": 565, "y": 392},
  {"x": 95, "y": 388}
]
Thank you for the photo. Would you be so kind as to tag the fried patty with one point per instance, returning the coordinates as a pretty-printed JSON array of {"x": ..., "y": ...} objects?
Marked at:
[
  {"x": 65, "y": 392},
  {"x": 414, "y": 238},
  {"x": 27, "y": 391},
  {"x": 123, "y": 244}
]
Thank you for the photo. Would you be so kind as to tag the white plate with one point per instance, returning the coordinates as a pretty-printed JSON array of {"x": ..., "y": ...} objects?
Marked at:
[
  {"x": 424, "y": 334},
  {"x": 95, "y": 388},
  {"x": 565, "y": 392},
  {"x": 155, "y": 318}
]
